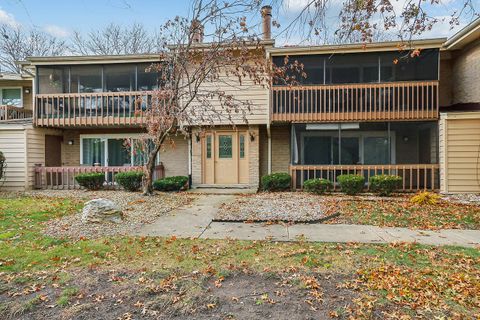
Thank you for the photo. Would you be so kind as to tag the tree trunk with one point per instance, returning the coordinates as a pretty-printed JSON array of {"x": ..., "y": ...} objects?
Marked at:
[{"x": 148, "y": 177}]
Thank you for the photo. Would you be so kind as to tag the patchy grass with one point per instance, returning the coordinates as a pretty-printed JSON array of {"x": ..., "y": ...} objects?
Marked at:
[
  {"x": 402, "y": 213},
  {"x": 122, "y": 277}
]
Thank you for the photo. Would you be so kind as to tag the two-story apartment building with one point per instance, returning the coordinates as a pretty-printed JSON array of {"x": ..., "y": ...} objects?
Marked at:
[{"x": 379, "y": 108}]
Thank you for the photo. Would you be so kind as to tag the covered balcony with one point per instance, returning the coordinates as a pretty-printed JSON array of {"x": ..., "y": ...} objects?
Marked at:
[
  {"x": 365, "y": 86},
  {"x": 94, "y": 95}
]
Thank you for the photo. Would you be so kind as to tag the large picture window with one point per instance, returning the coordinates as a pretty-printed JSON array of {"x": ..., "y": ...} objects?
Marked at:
[{"x": 115, "y": 150}]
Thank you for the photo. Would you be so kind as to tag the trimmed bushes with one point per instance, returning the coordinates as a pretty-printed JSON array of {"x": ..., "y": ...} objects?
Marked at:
[
  {"x": 130, "y": 181},
  {"x": 175, "y": 183},
  {"x": 279, "y": 181},
  {"x": 318, "y": 186},
  {"x": 91, "y": 181},
  {"x": 351, "y": 184},
  {"x": 2, "y": 165},
  {"x": 384, "y": 185}
]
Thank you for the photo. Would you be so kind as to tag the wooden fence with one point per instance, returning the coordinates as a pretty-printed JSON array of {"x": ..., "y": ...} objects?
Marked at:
[
  {"x": 64, "y": 177},
  {"x": 416, "y": 100}
]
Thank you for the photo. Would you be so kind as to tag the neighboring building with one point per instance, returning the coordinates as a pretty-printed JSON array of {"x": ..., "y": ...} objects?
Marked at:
[
  {"x": 365, "y": 110},
  {"x": 460, "y": 113}
]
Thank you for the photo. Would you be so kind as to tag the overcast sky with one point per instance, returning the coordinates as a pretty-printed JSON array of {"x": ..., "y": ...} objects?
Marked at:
[{"x": 61, "y": 17}]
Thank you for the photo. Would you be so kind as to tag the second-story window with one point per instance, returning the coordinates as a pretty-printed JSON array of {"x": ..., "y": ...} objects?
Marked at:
[
  {"x": 86, "y": 79},
  {"x": 11, "y": 97},
  {"x": 119, "y": 78}
]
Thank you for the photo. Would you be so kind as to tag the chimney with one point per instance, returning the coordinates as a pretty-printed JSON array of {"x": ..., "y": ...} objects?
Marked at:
[
  {"x": 197, "y": 32},
  {"x": 266, "y": 22}
]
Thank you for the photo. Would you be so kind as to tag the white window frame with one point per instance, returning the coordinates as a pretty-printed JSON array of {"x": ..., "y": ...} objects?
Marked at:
[
  {"x": 105, "y": 137},
  {"x": 21, "y": 95},
  {"x": 361, "y": 135}
]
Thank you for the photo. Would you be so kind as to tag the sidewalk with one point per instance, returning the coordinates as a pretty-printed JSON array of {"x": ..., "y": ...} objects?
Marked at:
[{"x": 195, "y": 221}]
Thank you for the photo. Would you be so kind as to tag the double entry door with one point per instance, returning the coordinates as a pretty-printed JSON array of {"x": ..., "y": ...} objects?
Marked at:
[{"x": 225, "y": 157}]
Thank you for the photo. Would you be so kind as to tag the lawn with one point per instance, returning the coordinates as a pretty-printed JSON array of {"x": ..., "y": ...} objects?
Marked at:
[
  {"x": 131, "y": 278},
  {"x": 400, "y": 212},
  {"x": 335, "y": 208}
]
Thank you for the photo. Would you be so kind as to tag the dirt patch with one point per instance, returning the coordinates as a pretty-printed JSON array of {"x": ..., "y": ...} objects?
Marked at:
[
  {"x": 138, "y": 210},
  {"x": 97, "y": 294}
]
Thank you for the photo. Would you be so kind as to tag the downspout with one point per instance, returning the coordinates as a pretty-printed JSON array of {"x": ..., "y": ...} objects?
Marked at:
[
  {"x": 190, "y": 160},
  {"x": 269, "y": 150}
]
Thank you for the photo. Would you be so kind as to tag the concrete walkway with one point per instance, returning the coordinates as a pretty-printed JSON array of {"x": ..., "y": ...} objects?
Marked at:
[{"x": 195, "y": 221}]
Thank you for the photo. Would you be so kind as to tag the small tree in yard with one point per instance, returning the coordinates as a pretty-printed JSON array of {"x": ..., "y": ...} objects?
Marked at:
[{"x": 192, "y": 73}]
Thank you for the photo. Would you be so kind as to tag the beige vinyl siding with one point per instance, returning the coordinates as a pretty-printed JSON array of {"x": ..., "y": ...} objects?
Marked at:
[
  {"x": 255, "y": 94},
  {"x": 12, "y": 144},
  {"x": 460, "y": 152},
  {"x": 36, "y": 150}
]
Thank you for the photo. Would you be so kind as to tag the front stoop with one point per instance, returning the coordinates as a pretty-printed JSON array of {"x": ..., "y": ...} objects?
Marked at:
[{"x": 223, "y": 189}]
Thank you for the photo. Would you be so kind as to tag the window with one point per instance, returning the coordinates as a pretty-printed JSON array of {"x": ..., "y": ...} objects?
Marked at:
[
  {"x": 53, "y": 80},
  {"x": 209, "y": 147},
  {"x": 119, "y": 78},
  {"x": 86, "y": 79},
  {"x": 225, "y": 146},
  {"x": 93, "y": 151},
  {"x": 147, "y": 78},
  {"x": 114, "y": 150},
  {"x": 11, "y": 97},
  {"x": 242, "y": 146}
]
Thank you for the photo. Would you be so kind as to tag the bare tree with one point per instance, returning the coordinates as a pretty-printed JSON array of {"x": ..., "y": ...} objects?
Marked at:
[
  {"x": 17, "y": 43},
  {"x": 114, "y": 39},
  {"x": 368, "y": 20},
  {"x": 194, "y": 75}
]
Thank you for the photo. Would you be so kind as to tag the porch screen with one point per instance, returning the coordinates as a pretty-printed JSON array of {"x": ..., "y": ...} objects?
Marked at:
[{"x": 93, "y": 151}]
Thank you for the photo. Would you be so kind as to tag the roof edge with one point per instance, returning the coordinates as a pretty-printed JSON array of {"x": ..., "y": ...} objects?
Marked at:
[
  {"x": 464, "y": 36},
  {"x": 360, "y": 47}
]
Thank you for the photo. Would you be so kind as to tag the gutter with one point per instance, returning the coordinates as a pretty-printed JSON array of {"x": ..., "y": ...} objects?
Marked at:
[{"x": 457, "y": 38}]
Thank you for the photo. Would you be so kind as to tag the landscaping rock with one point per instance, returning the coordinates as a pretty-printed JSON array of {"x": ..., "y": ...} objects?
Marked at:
[{"x": 101, "y": 210}]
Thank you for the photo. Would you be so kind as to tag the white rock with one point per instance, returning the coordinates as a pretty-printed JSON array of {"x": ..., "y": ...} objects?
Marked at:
[{"x": 101, "y": 210}]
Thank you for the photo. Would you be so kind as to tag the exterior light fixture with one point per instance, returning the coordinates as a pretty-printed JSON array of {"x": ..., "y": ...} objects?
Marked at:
[
  {"x": 197, "y": 137},
  {"x": 26, "y": 90},
  {"x": 252, "y": 136},
  {"x": 70, "y": 142},
  {"x": 405, "y": 138}
]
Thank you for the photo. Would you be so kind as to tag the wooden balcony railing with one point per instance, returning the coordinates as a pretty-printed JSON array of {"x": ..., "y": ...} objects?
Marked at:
[
  {"x": 9, "y": 113},
  {"x": 83, "y": 109},
  {"x": 356, "y": 102},
  {"x": 414, "y": 176},
  {"x": 64, "y": 177}
]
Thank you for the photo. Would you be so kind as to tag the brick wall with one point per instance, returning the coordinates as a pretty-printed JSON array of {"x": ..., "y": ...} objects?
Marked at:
[
  {"x": 466, "y": 74},
  {"x": 174, "y": 157},
  {"x": 280, "y": 148},
  {"x": 445, "y": 85}
]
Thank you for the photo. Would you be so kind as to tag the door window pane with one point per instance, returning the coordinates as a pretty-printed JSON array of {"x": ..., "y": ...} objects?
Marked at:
[
  {"x": 11, "y": 97},
  {"x": 93, "y": 151},
  {"x": 242, "y": 146},
  {"x": 225, "y": 146},
  {"x": 376, "y": 150},
  {"x": 209, "y": 147},
  {"x": 118, "y": 153}
]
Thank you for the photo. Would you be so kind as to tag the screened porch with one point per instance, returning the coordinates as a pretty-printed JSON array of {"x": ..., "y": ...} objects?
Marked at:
[{"x": 406, "y": 149}]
